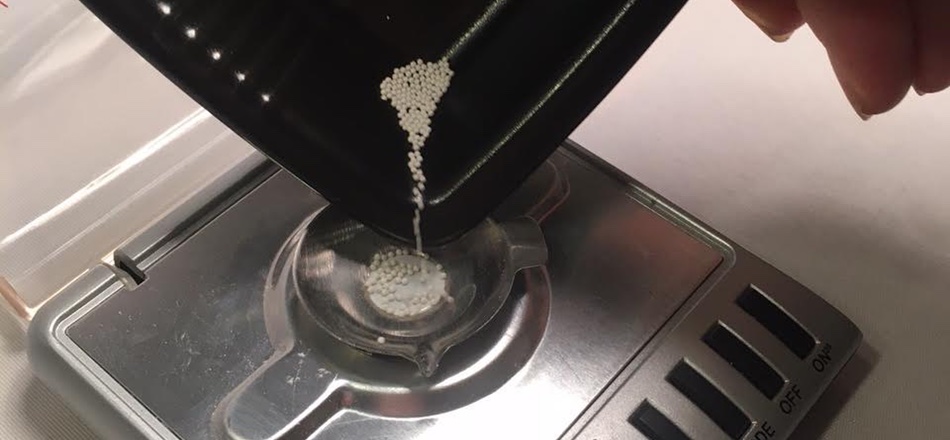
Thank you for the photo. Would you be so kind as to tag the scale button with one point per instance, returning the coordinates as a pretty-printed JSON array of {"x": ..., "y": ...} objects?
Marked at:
[
  {"x": 746, "y": 361},
  {"x": 776, "y": 321},
  {"x": 654, "y": 425},
  {"x": 710, "y": 400}
]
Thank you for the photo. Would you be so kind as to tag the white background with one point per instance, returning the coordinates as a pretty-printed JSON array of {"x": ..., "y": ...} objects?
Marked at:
[{"x": 753, "y": 137}]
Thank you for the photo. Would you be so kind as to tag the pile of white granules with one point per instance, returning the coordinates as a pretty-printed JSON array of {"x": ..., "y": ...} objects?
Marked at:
[
  {"x": 403, "y": 284},
  {"x": 399, "y": 282}
]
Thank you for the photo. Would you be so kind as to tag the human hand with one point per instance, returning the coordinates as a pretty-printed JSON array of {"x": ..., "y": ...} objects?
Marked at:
[{"x": 879, "y": 49}]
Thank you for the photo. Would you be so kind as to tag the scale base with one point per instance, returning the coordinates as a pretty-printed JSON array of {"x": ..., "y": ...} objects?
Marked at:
[{"x": 644, "y": 323}]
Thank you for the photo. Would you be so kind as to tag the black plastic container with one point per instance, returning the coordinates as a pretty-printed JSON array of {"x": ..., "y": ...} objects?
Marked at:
[{"x": 300, "y": 81}]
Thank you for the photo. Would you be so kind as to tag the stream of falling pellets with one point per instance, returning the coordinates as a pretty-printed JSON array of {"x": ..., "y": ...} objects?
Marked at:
[{"x": 414, "y": 91}]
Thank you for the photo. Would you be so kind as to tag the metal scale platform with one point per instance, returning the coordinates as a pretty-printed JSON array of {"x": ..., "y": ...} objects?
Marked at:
[{"x": 644, "y": 323}]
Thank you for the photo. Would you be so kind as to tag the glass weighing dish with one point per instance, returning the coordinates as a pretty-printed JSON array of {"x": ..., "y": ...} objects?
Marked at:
[
  {"x": 315, "y": 286},
  {"x": 332, "y": 263}
]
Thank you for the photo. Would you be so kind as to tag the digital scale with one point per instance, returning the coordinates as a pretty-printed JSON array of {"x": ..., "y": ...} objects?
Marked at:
[
  {"x": 637, "y": 322},
  {"x": 644, "y": 323}
]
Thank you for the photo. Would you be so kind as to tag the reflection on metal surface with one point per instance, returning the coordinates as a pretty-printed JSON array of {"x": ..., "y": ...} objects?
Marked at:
[
  {"x": 332, "y": 377},
  {"x": 182, "y": 347},
  {"x": 190, "y": 343}
]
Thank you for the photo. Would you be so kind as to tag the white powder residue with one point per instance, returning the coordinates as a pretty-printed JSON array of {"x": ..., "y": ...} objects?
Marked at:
[
  {"x": 414, "y": 91},
  {"x": 405, "y": 284}
]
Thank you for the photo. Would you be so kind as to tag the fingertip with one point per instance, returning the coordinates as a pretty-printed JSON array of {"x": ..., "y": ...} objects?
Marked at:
[
  {"x": 925, "y": 85},
  {"x": 867, "y": 103},
  {"x": 933, "y": 45},
  {"x": 778, "y": 19},
  {"x": 780, "y": 38},
  {"x": 871, "y": 47}
]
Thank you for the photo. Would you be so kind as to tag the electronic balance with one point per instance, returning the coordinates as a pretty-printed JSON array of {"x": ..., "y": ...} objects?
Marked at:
[{"x": 625, "y": 317}]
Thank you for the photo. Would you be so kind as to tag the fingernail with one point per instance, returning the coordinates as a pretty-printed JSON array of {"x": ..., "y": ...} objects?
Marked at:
[
  {"x": 761, "y": 23},
  {"x": 853, "y": 93},
  {"x": 861, "y": 114},
  {"x": 778, "y": 38}
]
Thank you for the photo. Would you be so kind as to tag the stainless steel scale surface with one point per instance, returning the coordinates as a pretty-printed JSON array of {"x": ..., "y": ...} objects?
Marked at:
[{"x": 644, "y": 323}]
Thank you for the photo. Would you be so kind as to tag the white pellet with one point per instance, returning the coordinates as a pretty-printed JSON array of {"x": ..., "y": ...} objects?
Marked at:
[
  {"x": 414, "y": 91},
  {"x": 404, "y": 284}
]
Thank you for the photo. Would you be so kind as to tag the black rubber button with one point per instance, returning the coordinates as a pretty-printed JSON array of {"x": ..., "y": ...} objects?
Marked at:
[
  {"x": 710, "y": 400},
  {"x": 746, "y": 361},
  {"x": 654, "y": 425},
  {"x": 777, "y": 322}
]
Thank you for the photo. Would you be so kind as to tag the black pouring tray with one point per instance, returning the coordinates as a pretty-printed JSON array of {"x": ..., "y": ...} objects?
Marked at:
[{"x": 299, "y": 80}]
